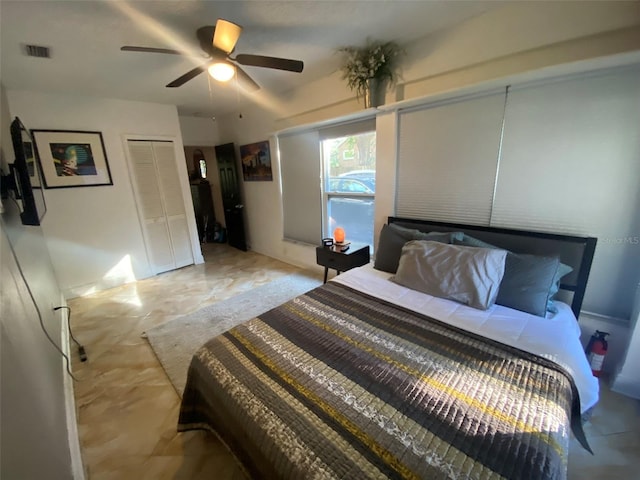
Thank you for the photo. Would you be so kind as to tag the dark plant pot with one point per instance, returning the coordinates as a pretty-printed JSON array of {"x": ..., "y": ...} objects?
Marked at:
[{"x": 374, "y": 95}]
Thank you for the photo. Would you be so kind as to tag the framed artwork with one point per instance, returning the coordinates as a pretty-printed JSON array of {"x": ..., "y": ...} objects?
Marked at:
[
  {"x": 256, "y": 161},
  {"x": 71, "y": 158}
]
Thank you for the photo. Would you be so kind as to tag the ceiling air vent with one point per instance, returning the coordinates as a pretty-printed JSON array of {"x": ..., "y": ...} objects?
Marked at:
[{"x": 38, "y": 51}]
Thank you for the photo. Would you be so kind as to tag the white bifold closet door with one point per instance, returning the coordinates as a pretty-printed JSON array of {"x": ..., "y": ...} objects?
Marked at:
[{"x": 160, "y": 204}]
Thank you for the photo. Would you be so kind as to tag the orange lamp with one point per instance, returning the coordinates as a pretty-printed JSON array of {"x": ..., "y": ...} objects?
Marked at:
[{"x": 338, "y": 235}]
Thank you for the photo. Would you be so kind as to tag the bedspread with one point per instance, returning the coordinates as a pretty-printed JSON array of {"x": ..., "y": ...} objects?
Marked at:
[{"x": 338, "y": 384}]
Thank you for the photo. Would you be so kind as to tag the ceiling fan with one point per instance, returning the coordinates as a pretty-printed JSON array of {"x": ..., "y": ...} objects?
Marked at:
[{"x": 219, "y": 42}]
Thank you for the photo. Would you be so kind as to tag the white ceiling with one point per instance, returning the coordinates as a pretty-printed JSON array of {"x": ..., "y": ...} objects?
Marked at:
[{"x": 85, "y": 37}]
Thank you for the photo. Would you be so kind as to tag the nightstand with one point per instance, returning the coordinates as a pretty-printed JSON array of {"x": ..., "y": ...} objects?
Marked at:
[{"x": 341, "y": 261}]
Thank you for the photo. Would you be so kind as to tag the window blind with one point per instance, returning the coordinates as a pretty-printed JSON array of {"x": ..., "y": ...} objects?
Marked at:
[
  {"x": 570, "y": 164},
  {"x": 447, "y": 157},
  {"x": 346, "y": 129},
  {"x": 301, "y": 194}
]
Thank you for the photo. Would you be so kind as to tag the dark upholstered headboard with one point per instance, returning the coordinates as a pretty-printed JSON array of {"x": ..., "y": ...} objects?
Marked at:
[{"x": 577, "y": 252}]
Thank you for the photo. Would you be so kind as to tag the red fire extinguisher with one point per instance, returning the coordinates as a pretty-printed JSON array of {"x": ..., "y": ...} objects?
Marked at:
[{"x": 596, "y": 351}]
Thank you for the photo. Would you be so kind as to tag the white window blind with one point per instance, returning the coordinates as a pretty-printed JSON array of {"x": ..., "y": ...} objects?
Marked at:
[
  {"x": 346, "y": 129},
  {"x": 447, "y": 158},
  {"x": 571, "y": 164},
  {"x": 301, "y": 195}
]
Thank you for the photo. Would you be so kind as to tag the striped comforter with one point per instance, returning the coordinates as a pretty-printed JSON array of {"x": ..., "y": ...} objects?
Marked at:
[{"x": 337, "y": 384}]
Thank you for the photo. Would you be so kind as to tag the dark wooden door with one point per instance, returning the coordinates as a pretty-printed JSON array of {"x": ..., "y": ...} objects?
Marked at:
[{"x": 231, "y": 200}]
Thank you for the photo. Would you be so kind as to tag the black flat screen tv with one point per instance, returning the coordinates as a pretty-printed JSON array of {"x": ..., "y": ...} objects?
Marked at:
[{"x": 27, "y": 176}]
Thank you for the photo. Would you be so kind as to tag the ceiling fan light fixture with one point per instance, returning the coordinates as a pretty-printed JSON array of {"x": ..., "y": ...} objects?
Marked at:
[
  {"x": 218, "y": 42},
  {"x": 222, "y": 71},
  {"x": 226, "y": 35}
]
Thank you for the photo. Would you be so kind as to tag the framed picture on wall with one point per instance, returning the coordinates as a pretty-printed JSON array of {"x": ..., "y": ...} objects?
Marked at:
[
  {"x": 256, "y": 161},
  {"x": 72, "y": 158}
]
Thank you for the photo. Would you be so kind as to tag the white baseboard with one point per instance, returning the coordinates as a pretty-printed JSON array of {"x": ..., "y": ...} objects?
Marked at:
[{"x": 77, "y": 466}]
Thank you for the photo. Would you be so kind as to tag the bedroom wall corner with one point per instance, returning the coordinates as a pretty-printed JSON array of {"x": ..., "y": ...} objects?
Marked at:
[
  {"x": 94, "y": 233},
  {"x": 626, "y": 379},
  {"x": 39, "y": 437}
]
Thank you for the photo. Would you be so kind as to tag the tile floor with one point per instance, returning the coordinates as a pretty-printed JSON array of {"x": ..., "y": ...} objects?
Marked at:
[{"x": 127, "y": 409}]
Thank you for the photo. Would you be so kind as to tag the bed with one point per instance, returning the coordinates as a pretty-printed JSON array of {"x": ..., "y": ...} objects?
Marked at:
[{"x": 364, "y": 377}]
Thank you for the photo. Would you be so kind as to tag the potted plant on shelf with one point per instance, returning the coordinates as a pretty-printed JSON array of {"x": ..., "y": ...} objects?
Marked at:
[{"x": 371, "y": 70}]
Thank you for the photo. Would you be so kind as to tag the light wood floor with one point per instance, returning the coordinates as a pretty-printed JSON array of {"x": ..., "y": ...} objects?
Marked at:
[{"x": 127, "y": 410}]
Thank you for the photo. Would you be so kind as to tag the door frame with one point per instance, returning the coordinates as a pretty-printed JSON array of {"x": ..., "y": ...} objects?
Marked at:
[{"x": 181, "y": 164}]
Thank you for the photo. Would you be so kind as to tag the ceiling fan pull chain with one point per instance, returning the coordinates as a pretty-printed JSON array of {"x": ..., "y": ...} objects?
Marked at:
[{"x": 238, "y": 96}]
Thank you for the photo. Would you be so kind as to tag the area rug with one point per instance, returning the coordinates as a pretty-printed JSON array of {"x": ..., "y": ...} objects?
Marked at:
[{"x": 175, "y": 341}]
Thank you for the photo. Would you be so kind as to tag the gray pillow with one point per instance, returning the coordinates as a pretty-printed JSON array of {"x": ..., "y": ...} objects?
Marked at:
[
  {"x": 392, "y": 239},
  {"x": 555, "y": 286},
  {"x": 527, "y": 282},
  {"x": 525, "y": 279},
  {"x": 468, "y": 275}
]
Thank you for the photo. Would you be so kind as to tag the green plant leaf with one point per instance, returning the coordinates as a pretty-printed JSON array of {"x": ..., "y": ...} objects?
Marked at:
[{"x": 376, "y": 59}]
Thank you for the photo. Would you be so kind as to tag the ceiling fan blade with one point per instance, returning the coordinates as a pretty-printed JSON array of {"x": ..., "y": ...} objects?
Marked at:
[
  {"x": 246, "y": 80},
  {"x": 131, "y": 48},
  {"x": 226, "y": 35},
  {"x": 188, "y": 76},
  {"x": 270, "y": 62}
]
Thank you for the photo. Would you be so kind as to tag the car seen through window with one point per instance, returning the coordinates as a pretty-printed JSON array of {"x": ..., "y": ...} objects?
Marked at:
[{"x": 349, "y": 185}]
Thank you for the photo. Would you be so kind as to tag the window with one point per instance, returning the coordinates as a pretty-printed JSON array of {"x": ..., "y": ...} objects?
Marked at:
[
  {"x": 349, "y": 165},
  {"x": 312, "y": 208},
  {"x": 200, "y": 163}
]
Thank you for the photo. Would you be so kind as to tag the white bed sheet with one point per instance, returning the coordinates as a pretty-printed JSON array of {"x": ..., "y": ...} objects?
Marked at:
[{"x": 556, "y": 337}]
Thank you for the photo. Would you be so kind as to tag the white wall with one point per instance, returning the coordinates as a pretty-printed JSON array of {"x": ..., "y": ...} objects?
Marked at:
[
  {"x": 520, "y": 37},
  {"x": 199, "y": 131},
  {"x": 626, "y": 379},
  {"x": 523, "y": 39},
  {"x": 35, "y": 436},
  {"x": 93, "y": 233}
]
